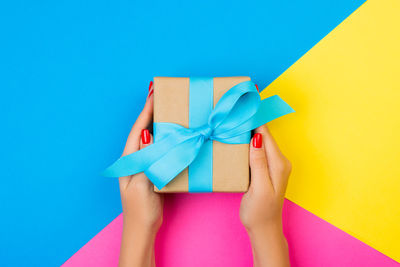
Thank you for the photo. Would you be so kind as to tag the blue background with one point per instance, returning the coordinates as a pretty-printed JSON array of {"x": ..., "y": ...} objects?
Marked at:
[{"x": 75, "y": 74}]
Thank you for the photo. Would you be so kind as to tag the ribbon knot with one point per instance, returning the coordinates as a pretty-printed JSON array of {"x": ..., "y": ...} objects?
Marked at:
[
  {"x": 238, "y": 111},
  {"x": 205, "y": 131}
]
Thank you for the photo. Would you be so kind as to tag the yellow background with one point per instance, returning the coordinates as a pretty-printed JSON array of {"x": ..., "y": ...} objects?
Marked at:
[{"x": 344, "y": 139}]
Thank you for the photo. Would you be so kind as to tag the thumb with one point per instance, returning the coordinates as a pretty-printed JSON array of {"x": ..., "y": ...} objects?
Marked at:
[
  {"x": 146, "y": 138},
  {"x": 258, "y": 162}
]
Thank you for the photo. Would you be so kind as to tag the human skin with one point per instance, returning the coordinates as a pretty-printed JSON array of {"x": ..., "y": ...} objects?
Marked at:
[
  {"x": 261, "y": 206},
  {"x": 142, "y": 207},
  {"x": 260, "y": 210}
]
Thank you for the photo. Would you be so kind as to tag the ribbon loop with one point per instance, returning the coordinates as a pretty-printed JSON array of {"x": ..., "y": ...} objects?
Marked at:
[{"x": 238, "y": 111}]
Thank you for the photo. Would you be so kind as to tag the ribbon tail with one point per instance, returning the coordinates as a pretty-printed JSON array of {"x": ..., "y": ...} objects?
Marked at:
[
  {"x": 133, "y": 163},
  {"x": 142, "y": 159},
  {"x": 270, "y": 109}
]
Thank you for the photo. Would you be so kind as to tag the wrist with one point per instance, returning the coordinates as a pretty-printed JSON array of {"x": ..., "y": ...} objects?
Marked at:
[
  {"x": 271, "y": 229},
  {"x": 137, "y": 245},
  {"x": 133, "y": 224},
  {"x": 139, "y": 231},
  {"x": 269, "y": 244}
]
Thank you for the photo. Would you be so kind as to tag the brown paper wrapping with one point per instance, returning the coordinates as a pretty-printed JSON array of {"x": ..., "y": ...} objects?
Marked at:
[{"x": 230, "y": 162}]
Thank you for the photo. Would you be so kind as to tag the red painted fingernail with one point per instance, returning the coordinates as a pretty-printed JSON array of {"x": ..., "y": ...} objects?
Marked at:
[
  {"x": 145, "y": 136},
  {"x": 151, "y": 92},
  {"x": 257, "y": 88},
  {"x": 257, "y": 140}
]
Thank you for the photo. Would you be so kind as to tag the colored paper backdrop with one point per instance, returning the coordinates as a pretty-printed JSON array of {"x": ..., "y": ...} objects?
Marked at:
[
  {"x": 312, "y": 241},
  {"x": 74, "y": 76},
  {"x": 346, "y": 147}
]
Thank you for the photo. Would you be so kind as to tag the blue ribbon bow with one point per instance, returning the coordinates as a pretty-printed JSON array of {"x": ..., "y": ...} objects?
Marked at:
[{"x": 239, "y": 111}]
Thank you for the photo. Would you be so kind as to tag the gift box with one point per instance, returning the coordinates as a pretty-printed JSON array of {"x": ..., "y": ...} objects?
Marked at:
[
  {"x": 229, "y": 163},
  {"x": 201, "y": 134}
]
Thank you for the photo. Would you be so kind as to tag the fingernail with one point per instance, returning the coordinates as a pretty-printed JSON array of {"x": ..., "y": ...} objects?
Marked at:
[
  {"x": 151, "y": 92},
  {"x": 257, "y": 88},
  {"x": 145, "y": 136},
  {"x": 257, "y": 140}
]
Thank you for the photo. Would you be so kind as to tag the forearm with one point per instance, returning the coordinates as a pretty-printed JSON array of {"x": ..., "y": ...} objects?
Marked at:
[
  {"x": 269, "y": 246},
  {"x": 137, "y": 246}
]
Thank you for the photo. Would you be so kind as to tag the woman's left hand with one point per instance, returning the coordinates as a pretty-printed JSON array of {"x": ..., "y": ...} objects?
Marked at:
[{"x": 142, "y": 207}]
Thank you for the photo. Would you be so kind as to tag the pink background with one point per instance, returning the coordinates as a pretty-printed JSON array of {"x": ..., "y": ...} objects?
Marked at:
[{"x": 205, "y": 230}]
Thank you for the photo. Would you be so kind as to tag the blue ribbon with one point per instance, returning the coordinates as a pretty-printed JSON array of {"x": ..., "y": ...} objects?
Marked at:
[
  {"x": 201, "y": 100},
  {"x": 237, "y": 112}
]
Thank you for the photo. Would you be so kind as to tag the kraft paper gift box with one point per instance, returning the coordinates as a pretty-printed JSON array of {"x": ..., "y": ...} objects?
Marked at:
[
  {"x": 230, "y": 162},
  {"x": 190, "y": 116}
]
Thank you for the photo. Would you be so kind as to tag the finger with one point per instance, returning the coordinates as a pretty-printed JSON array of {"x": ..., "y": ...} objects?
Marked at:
[
  {"x": 143, "y": 121},
  {"x": 144, "y": 142},
  {"x": 146, "y": 138},
  {"x": 271, "y": 147},
  {"x": 259, "y": 164},
  {"x": 133, "y": 141},
  {"x": 277, "y": 162}
]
